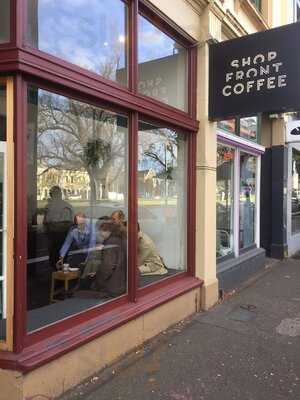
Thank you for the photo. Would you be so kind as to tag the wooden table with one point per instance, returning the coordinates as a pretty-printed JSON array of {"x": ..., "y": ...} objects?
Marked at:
[{"x": 65, "y": 277}]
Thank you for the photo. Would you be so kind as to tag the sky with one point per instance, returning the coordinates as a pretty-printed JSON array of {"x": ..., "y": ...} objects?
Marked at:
[{"x": 90, "y": 36}]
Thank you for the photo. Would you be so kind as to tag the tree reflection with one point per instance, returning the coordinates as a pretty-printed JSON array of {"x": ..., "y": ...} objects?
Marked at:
[{"x": 73, "y": 136}]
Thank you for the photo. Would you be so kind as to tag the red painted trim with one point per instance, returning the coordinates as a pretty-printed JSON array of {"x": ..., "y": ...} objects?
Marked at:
[
  {"x": 162, "y": 283},
  {"x": 73, "y": 321},
  {"x": 20, "y": 245},
  {"x": 73, "y": 77},
  {"x": 70, "y": 339},
  {"x": 133, "y": 48},
  {"x": 132, "y": 207},
  {"x": 73, "y": 94}
]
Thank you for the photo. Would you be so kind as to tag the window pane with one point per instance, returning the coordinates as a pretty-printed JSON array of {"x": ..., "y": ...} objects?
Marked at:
[
  {"x": 93, "y": 37},
  {"x": 4, "y": 21},
  {"x": 247, "y": 199},
  {"x": 225, "y": 182},
  {"x": 249, "y": 128},
  {"x": 295, "y": 206},
  {"x": 77, "y": 179},
  {"x": 162, "y": 66},
  {"x": 228, "y": 125},
  {"x": 162, "y": 162}
]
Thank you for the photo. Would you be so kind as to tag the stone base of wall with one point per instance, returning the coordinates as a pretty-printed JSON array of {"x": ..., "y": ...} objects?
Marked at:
[
  {"x": 58, "y": 376},
  {"x": 232, "y": 273}
]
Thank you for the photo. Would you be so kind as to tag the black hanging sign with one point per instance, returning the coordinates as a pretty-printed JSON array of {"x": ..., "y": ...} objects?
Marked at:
[{"x": 255, "y": 73}]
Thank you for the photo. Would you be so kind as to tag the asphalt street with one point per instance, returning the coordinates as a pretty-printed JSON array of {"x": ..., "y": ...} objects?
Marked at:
[{"x": 246, "y": 348}]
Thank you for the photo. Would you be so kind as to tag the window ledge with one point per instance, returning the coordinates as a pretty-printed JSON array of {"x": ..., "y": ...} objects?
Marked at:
[{"x": 47, "y": 350}]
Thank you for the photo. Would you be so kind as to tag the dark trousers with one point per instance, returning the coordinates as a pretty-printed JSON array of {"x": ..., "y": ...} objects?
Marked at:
[{"x": 55, "y": 242}]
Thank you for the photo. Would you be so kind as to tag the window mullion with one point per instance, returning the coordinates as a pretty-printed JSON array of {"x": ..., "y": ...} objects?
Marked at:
[
  {"x": 132, "y": 206},
  {"x": 236, "y": 219},
  {"x": 257, "y": 210},
  {"x": 133, "y": 45}
]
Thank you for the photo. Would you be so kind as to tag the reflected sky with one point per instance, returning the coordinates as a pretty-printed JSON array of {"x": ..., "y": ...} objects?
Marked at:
[
  {"x": 154, "y": 44},
  {"x": 92, "y": 36}
]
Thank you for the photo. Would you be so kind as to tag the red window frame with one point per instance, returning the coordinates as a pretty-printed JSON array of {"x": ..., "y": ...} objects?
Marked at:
[{"x": 32, "y": 66}]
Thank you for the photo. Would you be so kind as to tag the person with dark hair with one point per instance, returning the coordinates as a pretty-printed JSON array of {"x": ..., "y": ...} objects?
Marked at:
[
  {"x": 82, "y": 234},
  {"x": 92, "y": 262},
  {"x": 111, "y": 276},
  {"x": 58, "y": 219},
  {"x": 118, "y": 216},
  {"x": 110, "y": 263}
]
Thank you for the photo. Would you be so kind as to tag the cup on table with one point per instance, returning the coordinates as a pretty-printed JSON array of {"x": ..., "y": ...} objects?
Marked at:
[{"x": 66, "y": 267}]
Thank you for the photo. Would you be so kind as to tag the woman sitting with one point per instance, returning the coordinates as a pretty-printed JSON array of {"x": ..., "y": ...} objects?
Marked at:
[{"x": 149, "y": 261}]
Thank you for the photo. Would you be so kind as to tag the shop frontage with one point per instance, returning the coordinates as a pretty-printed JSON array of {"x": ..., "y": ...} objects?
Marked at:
[
  {"x": 238, "y": 252},
  {"x": 110, "y": 167},
  {"x": 97, "y": 178},
  {"x": 255, "y": 80}
]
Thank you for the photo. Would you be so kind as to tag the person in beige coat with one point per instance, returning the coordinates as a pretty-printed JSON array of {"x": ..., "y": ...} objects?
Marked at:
[{"x": 149, "y": 261}]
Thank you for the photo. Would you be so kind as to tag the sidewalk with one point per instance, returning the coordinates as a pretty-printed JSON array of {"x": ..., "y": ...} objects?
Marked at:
[{"x": 247, "y": 348}]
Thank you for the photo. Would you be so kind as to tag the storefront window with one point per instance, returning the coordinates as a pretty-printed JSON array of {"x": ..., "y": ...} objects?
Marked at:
[
  {"x": 77, "y": 207},
  {"x": 92, "y": 34},
  {"x": 162, "y": 66},
  {"x": 247, "y": 199},
  {"x": 225, "y": 204},
  {"x": 2, "y": 215},
  {"x": 249, "y": 128},
  {"x": 162, "y": 185},
  {"x": 295, "y": 206},
  {"x": 228, "y": 125},
  {"x": 4, "y": 21}
]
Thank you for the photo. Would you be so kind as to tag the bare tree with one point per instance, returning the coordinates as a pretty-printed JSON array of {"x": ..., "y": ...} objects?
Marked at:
[{"x": 76, "y": 136}]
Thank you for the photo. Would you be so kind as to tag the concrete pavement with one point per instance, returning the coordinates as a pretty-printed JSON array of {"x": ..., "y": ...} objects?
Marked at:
[{"x": 247, "y": 348}]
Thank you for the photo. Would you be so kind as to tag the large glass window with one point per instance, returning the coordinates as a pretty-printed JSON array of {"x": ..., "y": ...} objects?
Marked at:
[
  {"x": 295, "y": 200},
  {"x": 4, "y": 21},
  {"x": 162, "y": 66},
  {"x": 248, "y": 165},
  {"x": 92, "y": 34},
  {"x": 162, "y": 186},
  {"x": 77, "y": 206},
  {"x": 225, "y": 196}
]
